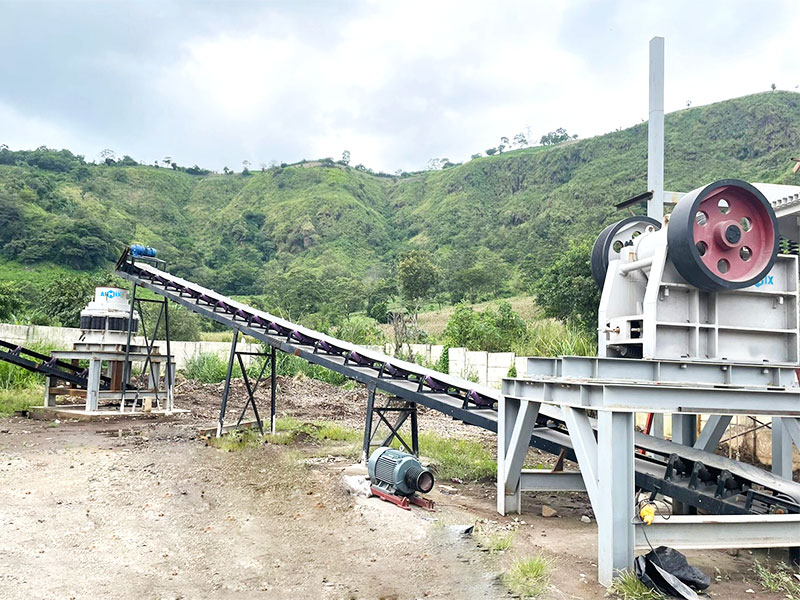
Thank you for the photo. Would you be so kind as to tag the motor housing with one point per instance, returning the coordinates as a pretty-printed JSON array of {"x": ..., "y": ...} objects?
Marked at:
[{"x": 398, "y": 472}]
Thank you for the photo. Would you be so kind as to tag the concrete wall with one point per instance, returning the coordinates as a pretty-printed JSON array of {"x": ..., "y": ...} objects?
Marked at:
[
  {"x": 488, "y": 368},
  {"x": 64, "y": 337}
]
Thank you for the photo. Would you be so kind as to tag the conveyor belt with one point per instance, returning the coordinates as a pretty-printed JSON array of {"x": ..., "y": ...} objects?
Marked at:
[
  {"x": 46, "y": 365},
  {"x": 708, "y": 482}
]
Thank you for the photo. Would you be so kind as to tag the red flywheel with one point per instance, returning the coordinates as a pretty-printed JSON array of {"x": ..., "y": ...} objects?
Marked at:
[{"x": 723, "y": 236}]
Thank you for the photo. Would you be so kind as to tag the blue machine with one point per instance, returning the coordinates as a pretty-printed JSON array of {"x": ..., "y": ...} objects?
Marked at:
[{"x": 138, "y": 250}]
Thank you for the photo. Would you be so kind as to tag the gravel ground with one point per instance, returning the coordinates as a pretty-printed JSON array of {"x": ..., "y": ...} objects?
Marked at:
[{"x": 145, "y": 508}]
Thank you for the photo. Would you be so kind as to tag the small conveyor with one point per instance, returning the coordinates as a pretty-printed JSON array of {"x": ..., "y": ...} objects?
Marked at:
[
  {"x": 47, "y": 365},
  {"x": 711, "y": 483}
]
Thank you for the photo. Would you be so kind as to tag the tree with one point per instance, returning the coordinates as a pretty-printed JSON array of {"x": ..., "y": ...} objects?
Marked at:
[
  {"x": 12, "y": 299},
  {"x": 167, "y": 160},
  {"x": 418, "y": 276},
  {"x": 226, "y": 170},
  {"x": 64, "y": 299},
  {"x": 108, "y": 154},
  {"x": 346, "y": 157},
  {"x": 566, "y": 289},
  {"x": 435, "y": 164},
  {"x": 773, "y": 87},
  {"x": 520, "y": 140},
  {"x": 476, "y": 155},
  {"x": 491, "y": 151},
  {"x": 556, "y": 137},
  {"x": 378, "y": 296},
  {"x": 347, "y": 295}
]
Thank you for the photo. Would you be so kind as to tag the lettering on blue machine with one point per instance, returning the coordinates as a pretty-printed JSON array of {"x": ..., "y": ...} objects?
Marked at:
[
  {"x": 111, "y": 294},
  {"x": 766, "y": 281}
]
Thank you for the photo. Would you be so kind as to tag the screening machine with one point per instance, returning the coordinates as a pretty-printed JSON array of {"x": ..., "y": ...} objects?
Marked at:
[{"x": 697, "y": 315}]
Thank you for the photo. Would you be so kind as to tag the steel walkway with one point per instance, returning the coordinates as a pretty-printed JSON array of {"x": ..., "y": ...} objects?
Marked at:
[{"x": 712, "y": 483}]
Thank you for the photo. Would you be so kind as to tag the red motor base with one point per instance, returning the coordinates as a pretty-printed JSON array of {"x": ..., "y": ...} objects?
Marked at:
[{"x": 403, "y": 502}]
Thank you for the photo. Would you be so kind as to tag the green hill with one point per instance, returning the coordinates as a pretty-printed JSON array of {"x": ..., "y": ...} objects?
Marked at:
[{"x": 321, "y": 227}]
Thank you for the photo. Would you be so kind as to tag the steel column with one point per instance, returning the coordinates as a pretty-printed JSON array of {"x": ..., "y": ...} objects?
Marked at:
[
  {"x": 93, "y": 384},
  {"x": 273, "y": 390},
  {"x": 518, "y": 445},
  {"x": 126, "y": 368},
  {"x": 782, "y": 446},
  {"x": 684, "y": 431},
  {"x": 227, "y": 389},
  {"x": 615, "y": 532},
  {"x": 507, "y": 411},
  {"x": 368, "y": 423},
  {"x": 168, "y": 374}
]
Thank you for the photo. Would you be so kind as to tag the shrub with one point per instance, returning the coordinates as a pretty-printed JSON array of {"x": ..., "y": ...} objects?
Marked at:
[
  {"x": 493, "y": 330},
  {"x": 207, "y": 367}
]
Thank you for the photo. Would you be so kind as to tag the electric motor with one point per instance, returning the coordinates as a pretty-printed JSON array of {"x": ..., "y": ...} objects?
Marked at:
[
  {"x": 398, "y": 472},
  {"x": 138, "y": 250}
]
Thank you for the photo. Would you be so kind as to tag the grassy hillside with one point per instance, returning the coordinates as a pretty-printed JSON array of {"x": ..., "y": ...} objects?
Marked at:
[{"x": 489, "y": 223}]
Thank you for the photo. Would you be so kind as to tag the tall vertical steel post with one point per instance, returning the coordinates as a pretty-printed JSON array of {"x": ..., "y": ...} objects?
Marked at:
[
  {"x": 273, "y": 389},
  {"x": 655, "y": 157},
  {"x": 655, "y": 130}
]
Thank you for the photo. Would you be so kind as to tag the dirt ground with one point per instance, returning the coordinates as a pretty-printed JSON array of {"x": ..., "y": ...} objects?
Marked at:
[{"x": 145, "y": 508}]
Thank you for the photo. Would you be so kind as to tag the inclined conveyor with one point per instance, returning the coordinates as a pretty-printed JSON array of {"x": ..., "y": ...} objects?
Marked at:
[{"x": 706, "y": 481}]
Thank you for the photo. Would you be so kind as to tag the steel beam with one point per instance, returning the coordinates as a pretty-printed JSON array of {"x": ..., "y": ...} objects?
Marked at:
[
  {"x": 633, "y": 397},
  {"x": 518, "y": 444},
  {"x": 720, "y": 531},
  {"x": 712, "y": 432},
  {"x": 662, "y": 371},
  {"x": 585, "y": 446},
  {"x": 545, "y": 480}
]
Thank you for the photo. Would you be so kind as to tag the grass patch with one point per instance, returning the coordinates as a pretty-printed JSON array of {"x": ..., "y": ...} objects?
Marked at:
[
  {"x": 529, "y": 577},
  {"x": 627, "y": 586},
  {"x": 288, "y": 430},
  {"x": 460, "y": 458},
  {"x": 235, "y": 441},
  {"x": 19, "y": 399},
  {"x": 496, "y": 541},
  {"x": 781, "y": 579},
  {"x": 549, "y": 337}
]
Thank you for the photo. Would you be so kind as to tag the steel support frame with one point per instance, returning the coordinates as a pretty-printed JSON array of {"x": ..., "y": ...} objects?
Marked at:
[
  {"x": 404, "y": 409},
  {"x": 606, "y": 462},
  {"x": 151, "y": 367},
  {"x": 236, "y": 355},
  {"x": 606, "y": 472}
]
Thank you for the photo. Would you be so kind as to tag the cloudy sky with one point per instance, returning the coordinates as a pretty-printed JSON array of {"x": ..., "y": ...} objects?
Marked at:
[{"x": 395, "y": 83}]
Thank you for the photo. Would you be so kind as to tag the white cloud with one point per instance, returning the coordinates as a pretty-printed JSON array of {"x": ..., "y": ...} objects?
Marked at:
[{"x": 395, "y": 83}]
